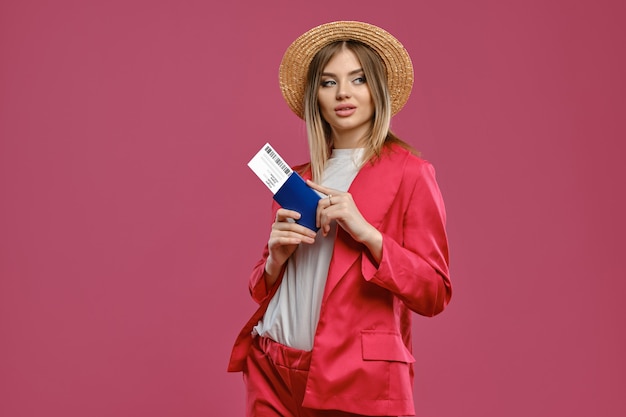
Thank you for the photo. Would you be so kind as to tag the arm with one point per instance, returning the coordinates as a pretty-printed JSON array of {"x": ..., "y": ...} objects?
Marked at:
[
  {"x": 340, "y": 207},
  {"x": 414, "y": 266},
  {"x": 283, "y": 242},
  {"x": 258, "y": 285}
]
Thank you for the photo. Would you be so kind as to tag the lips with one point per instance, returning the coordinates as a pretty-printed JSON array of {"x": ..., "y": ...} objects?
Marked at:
[{"x": 345, "y": 110}]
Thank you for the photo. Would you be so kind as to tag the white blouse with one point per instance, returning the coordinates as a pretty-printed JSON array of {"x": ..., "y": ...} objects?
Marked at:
[{"x": 292, "y": 314}]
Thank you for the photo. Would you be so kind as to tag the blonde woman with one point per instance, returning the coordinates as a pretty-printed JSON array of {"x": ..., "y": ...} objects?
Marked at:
[{"x": 332, "y": 335}]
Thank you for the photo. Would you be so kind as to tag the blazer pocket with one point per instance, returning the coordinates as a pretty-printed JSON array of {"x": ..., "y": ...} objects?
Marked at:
[{"x": 384, "y": 346}]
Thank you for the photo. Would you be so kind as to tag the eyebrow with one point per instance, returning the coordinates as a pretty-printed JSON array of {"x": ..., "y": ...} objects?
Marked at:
[{"x": 330, "y": 74}]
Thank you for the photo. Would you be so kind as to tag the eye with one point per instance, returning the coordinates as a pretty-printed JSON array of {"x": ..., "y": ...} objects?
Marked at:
[
  {"x": 328, "y": 83},
  {"x": 359, "y": 80}
]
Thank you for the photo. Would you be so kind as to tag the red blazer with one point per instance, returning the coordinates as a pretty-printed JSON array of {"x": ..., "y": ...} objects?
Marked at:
[{"x": 361, "y": 359}]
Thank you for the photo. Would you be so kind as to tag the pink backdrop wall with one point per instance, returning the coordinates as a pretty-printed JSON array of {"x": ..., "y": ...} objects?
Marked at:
[{"x": 129, "y": 220}]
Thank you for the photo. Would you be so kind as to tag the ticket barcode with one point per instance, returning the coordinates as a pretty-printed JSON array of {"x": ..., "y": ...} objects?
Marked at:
[
  {"x": 268, "y": 165},
  {"x": 272, "y": 153}
]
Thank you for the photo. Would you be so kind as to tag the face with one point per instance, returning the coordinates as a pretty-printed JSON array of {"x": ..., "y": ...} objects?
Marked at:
[{"x": 345, "y": 100}]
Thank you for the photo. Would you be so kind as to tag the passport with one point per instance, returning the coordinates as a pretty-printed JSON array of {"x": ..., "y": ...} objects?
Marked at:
[{"x": 289, "y": 188}]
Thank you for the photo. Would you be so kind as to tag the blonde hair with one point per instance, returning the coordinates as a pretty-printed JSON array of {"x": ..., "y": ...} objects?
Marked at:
[{"x": 318, "y": 130}]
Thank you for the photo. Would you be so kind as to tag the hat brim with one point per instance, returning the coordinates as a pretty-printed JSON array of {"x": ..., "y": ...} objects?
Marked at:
[{"x": 296, "y": 60}]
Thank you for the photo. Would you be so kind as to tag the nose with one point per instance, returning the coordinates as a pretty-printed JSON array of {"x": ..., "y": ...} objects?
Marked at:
[{"x": 343, "y": 91}]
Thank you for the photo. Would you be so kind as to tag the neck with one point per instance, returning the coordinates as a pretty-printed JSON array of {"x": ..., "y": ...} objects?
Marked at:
[{"x": 348, "y": 140}]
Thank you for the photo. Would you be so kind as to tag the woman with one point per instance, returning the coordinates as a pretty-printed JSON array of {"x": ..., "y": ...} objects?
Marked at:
[{"x": 332, "y": 335}]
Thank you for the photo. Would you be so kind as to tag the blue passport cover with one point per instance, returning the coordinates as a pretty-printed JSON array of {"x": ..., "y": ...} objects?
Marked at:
[{"x": 297, "y": 196}]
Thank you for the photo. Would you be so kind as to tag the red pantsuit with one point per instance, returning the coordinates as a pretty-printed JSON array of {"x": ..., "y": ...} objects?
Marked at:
[{"x": 361, "y": 360}]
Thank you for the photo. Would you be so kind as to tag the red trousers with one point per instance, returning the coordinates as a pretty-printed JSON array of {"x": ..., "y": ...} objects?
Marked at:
[{"x": 276, "y": 378}]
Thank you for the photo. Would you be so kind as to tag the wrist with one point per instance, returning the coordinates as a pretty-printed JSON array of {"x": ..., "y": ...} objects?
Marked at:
[
  {"x": 374, "y": 242},
  {"x": 272, "y": 269}
]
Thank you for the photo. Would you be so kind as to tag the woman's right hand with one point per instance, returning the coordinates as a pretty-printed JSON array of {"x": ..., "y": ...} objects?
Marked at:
[{"x": 284, "y": 239}]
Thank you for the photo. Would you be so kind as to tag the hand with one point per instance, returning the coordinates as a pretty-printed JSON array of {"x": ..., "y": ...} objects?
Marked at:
[
  {"x": 340, "y": 206},
  {"x": 284, "y": 239}
]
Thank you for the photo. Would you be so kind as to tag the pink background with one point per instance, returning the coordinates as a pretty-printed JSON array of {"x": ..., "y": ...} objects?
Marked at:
[{"x": 129, "y": 221}]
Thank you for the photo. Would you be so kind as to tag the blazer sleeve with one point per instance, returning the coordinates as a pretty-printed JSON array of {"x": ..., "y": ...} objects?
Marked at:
[
  {"x": 256, "y": 283},
  {"x": 414, "y": 265}
]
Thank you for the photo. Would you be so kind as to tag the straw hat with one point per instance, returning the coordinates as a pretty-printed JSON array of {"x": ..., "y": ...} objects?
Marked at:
[{"x": 298, "y": 57}]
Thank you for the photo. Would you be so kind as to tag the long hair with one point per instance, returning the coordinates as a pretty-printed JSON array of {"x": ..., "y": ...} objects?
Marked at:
[{"x": 318, "y": 130}]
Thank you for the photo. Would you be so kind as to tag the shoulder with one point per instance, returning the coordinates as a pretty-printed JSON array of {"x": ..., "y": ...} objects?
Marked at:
[
  {"x": 303, "y": 169},
  {"x": 412, "y": 171},
  {"x": 402, "y": 158}
]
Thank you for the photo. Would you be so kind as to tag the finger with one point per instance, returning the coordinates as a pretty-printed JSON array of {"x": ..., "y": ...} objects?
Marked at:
[
  {"x": 324, "y": 217},
  {"x": 324, "y": 223},
  {"x": 284, "y": 214},
  {"x": 321, "y": 188},
  {"x": 284, "y": 227},
  {"x": 289, "y": 237},
  {"x": 292, "y": 240},
  {"x": 322, "y": 205}
]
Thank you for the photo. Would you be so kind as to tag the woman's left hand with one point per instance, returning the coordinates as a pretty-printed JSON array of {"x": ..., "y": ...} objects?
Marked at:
[{"x": 340, "y": 206}]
